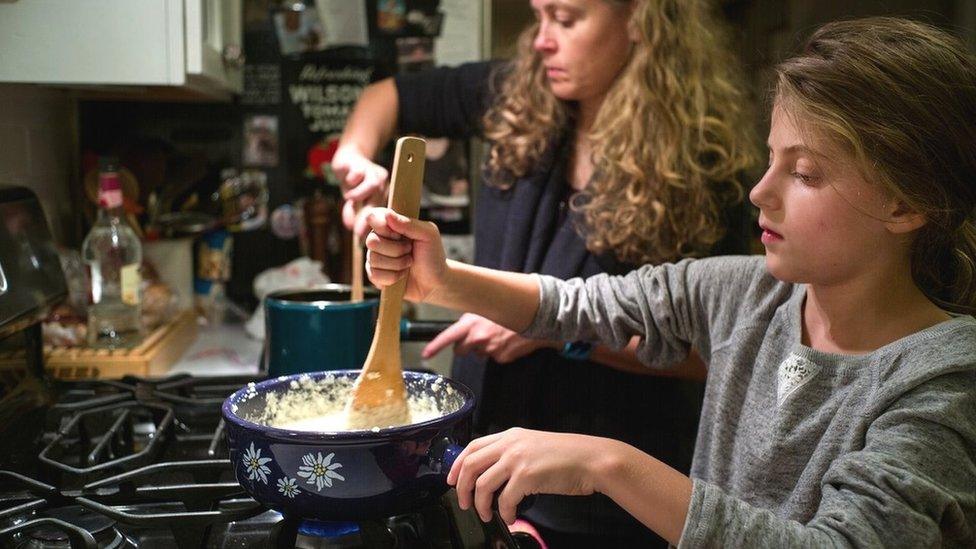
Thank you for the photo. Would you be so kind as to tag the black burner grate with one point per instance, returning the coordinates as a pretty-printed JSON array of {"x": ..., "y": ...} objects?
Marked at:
[
  {"x": 139, "y": 463},
  {"x": 108, "y": 438}
]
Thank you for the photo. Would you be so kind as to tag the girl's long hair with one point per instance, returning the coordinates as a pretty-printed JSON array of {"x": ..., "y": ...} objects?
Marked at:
[
  {"x": 669, "y": 144},
  {"x": 900, "y": 97}
]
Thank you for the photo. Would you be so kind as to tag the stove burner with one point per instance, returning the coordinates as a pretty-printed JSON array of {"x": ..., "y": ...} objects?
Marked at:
[
  {"x": 323, "y": 529},
  {"x": 106, "y": 438},
  {"x": 35, "y": 514},
  {"x": 314, "y": 534},
  {"x": 73, "y": 536},
  {"x": 101, "y": 528},
  {"x": 145, "y": 498},
  {"x": 439, "y": 524},
  {"x": 77, "y": 515}
]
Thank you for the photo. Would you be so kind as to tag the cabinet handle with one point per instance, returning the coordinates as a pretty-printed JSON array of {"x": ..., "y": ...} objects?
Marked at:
[{"x": 233, "y": 56}]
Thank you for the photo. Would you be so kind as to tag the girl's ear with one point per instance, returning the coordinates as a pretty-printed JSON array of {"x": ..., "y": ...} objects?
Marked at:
[{"x": 902, "y": 219}]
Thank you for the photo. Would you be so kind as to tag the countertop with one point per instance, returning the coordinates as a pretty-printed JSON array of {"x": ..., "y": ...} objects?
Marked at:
[{"x": 224, "y": 348}]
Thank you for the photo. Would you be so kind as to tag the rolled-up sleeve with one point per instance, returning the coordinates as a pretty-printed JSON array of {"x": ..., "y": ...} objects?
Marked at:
[{"x": 446, "y": 101}]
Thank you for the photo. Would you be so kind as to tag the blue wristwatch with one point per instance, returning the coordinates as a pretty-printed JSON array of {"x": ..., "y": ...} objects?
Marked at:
[{"x": 577, "y": 350}]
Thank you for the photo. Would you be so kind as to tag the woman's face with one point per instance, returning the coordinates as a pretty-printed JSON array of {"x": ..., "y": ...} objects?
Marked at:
[{"x": 583, "y": 43}]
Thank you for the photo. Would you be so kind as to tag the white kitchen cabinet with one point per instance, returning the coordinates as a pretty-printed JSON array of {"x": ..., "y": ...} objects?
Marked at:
[
  {"x": 214, "y": 43},
  {"x": 194, "y": 44}
]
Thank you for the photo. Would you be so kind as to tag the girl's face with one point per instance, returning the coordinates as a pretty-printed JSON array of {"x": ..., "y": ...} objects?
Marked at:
[
  {"x": 822, "y": 222},
  {"x": 583, "y": 43}
]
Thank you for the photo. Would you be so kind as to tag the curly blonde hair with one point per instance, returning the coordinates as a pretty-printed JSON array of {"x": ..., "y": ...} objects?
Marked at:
[{"x": 669, "y": 143}]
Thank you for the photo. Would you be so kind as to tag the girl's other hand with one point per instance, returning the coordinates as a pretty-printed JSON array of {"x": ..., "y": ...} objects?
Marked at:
[
  {"x": 518, "y": 462},
  {"x": 363, "y": 182},
  {"x": 476, "y": 334},
  {"x": 400, "y": 246}
]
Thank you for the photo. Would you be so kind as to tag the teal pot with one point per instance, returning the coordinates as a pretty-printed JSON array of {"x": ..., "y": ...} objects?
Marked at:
[{"x": 319, "y": 329}]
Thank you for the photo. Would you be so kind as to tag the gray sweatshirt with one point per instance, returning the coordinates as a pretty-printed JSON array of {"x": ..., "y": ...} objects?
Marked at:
[{"x": 796, "y": 447}]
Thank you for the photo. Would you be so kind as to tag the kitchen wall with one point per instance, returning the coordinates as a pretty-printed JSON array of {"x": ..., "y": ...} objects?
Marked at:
[
  {"x": 767, "y": 31},
  {"x": 37, "y": 132}
]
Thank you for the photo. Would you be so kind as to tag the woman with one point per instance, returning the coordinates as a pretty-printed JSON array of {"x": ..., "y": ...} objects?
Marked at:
[{"x": 616, "y": 140}]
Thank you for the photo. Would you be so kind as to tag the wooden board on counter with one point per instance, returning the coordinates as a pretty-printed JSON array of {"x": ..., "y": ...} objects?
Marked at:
[{"x": 151, "y": 358}]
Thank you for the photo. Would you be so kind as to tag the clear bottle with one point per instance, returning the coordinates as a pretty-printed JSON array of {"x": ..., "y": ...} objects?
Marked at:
[{"x": 113, "y": 254}]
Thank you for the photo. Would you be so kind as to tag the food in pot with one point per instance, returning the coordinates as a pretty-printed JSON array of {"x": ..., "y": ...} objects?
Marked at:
[{"x": 320, "y": 405}]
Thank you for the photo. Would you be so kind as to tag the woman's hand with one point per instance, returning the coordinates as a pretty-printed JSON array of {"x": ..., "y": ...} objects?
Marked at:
[
  {"x": 400, "y": 246},
  {"x": 518, "y": 462},
  {"x": 476, "y": 334},
  {"x": 364, "y": 184}
]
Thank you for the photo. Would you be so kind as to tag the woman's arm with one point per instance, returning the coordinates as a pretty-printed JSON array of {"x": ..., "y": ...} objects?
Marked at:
[
  {"x": 478, "y": 335},
  {"x": 368, "y": 129},
  {"x": 373, "y": 120},
  {"x": 442, "y": 102},
  {"x": 625, "y": 360}
]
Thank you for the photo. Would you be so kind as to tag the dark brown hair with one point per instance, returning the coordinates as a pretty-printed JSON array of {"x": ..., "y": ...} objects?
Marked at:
[{"x": 900, "y": 97}]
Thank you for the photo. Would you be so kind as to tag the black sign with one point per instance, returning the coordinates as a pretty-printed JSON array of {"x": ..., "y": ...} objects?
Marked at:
[{"x": 319, "y": 93}]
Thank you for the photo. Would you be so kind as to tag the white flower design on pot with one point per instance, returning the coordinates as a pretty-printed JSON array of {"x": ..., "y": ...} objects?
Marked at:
[
  {"x": 319, "y": 471},
  {"x": 288, "y": 486},
  {"x": 254, "y": 464}
]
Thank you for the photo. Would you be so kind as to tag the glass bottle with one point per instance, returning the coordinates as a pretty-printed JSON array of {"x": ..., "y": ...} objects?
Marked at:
[{"x": 113, "y": 254}]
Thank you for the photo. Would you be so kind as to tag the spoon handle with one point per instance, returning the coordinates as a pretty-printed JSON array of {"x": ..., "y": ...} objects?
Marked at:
[{"x": 406, "y": 181}]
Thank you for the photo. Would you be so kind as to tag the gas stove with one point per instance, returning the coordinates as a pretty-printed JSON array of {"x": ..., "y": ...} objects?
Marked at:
[
  {"x": 144, "y": 462},
  {"x": 104, "y": 456},
  {"x": 141, "y": 463}
]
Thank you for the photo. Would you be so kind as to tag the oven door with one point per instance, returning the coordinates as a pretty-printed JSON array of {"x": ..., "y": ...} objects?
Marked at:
[{"x": 31, "y": 280}]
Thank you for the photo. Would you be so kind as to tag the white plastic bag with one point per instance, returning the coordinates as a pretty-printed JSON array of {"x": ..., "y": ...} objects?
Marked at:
[{"x": 298, "y": 274}]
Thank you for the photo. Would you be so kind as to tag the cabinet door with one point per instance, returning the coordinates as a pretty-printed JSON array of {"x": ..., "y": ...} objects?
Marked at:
[
  {"x": 92, "y": 41},
  {"x": 214, "y": 43}
]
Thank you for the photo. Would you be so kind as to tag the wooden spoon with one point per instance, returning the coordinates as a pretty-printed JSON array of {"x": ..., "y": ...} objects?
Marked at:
[
  {"x": 379, "y": 397},
  {"x": 356, "y": 291}
]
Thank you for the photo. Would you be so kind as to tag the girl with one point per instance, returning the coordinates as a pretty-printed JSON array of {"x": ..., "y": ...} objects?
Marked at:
[
  {"x": 578, "y": 183},
  {"x": 840, "y": 406}
]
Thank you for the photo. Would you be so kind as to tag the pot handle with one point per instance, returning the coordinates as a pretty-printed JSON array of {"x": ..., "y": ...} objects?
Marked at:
[
  {"x": 422, "y": 330},
  {"x": 442, "y": 455}
]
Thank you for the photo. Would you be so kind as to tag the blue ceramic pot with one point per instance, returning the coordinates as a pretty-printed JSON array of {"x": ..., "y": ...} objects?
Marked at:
[
  {"x": 350, "y": 475},
  {"x": 317, "y": 329}
]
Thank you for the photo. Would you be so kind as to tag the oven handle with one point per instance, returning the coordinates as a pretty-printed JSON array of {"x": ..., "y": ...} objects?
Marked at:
[{"x": 3, "y": 281}]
